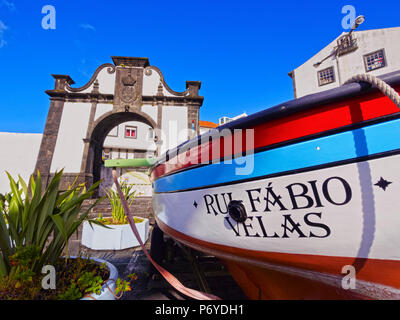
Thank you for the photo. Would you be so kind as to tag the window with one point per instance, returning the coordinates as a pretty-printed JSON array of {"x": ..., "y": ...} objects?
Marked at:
[
  {"x": 130, "y": 132},
  {"x": 224, "y": 120},
  {"x": 374, "y": 60},
  {"x": 326, "y": 76}
]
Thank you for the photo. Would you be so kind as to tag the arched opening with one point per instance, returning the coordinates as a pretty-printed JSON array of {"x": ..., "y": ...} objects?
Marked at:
[{"x": 125, "y": 135}]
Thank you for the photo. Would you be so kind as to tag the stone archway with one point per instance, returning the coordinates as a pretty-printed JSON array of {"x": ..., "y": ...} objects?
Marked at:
[
  {"x": 79, "y": 118},
  {"x": 91, "y": 161}
]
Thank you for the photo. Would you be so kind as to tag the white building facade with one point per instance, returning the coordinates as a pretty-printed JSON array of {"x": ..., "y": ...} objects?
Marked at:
[
  {"x": 22, "y": 152},
  {"x": 225, "y": 119},
  {"x": 130, "y": 140},
  {"x": 372, "y": 51},
  {"x": 206, "y": 126}
]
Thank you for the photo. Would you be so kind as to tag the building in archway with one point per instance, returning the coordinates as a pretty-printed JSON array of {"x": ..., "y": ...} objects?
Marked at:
[{"x": 127, "y": 100}]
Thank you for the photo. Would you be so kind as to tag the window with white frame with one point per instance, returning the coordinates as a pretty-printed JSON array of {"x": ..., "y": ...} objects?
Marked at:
[
  {"x": 374, "y": 60},
  {"x": 326, "y": 76},
  {"x": 130, "y": 132}
]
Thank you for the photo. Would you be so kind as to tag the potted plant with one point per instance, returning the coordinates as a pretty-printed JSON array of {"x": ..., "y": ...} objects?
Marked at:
[
  {"x": 35, "y": 228},
  {"x": 119, "y": 234}
]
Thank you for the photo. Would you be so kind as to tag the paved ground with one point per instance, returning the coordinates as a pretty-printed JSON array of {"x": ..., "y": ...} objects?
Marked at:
[{"x": 151, "y": 286}]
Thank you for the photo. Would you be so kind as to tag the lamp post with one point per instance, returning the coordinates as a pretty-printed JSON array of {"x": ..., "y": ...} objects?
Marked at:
[{"x": 358, "y": 21}]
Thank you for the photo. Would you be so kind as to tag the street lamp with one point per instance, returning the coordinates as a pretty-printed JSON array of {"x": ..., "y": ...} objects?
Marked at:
[{"x": 358, "y": 21}]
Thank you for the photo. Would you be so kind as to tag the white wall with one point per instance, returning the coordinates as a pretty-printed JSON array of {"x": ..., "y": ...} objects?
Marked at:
[
  {"x": 203, "y": 130},
  {"x": 69, "y": 146},
  {"x": 174, "y": 127},
  {"x": 151, "y": 110},
  {"x": 350, "y": 64},
  {"x": 21, "y": 154},
  {"x": 106, "y": 82},
  {"x": 101, "y": 109},
  {"x": 151, "y": 83}
]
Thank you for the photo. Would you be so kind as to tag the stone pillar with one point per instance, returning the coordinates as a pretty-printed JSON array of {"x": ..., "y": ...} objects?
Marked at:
[
  {"x": 52, "y": 126},
  {"x": 193, "y": 88}
]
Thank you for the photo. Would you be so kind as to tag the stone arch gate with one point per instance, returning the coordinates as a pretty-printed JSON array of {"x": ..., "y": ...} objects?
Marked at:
[
  {"x": 130, "y": 89},
  {"x": 97, "y": 132}
]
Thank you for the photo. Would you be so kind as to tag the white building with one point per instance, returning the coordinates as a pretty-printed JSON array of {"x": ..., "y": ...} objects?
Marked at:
[
  {"x": 226, "y": 119},
  {"x": 20, "y": 158},
  {"x": 130, "y": 140},
  {"x": 371, "y": 51},
  {"x": 206, "y": 126}
]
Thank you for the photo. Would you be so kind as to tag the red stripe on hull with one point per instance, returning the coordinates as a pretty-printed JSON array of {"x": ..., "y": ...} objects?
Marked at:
[
  {"x": 295, "y": 126},
  {"x": 252, "y": 270}
]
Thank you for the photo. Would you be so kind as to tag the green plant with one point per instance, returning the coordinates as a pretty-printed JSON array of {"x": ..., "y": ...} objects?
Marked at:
[
  {"x": 44, "y": 220},
  {"x": 72, "y": 293},
  {"x": 74, "y": 279},
  {"x": 21, "y": 279},
  {"x": 117, "y": 210},
  {"x": 90, "y": 283},
  {"x": 122, "y": 286},
  {"x": 4, "y": 199}
]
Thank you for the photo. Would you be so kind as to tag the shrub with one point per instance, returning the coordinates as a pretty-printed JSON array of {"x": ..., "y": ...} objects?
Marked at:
[
  {"x": 44, "y": 221},
  {"x": 117, "y": 210}
]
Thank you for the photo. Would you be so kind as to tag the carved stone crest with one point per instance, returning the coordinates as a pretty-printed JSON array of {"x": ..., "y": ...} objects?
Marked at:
[{"x": 128, "y": 89}]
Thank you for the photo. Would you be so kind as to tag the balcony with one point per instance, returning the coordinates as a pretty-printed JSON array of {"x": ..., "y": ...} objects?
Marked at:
[{"x": 346, "y": 44}]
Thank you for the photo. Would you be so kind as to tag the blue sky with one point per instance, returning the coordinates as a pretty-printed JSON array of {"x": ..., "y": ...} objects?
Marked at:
[{"x": 242, "y": 51}]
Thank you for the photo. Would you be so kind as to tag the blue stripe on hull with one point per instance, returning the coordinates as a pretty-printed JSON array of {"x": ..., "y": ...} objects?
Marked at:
[{"x": 347, "y": 145}]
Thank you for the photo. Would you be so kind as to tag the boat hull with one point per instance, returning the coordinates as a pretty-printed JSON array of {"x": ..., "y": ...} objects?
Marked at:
[
  {"x": 320, "y": 188},
  {"x": 317, "y": 222}
]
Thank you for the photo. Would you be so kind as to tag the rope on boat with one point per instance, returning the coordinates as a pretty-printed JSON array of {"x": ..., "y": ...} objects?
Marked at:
[
  {"x": 174, "y": 282},
  {"x": 386, "y": 89}
]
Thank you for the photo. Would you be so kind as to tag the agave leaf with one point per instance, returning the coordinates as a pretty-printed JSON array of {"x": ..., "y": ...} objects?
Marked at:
[
  {"x": 23, "y": 185},
  {"x": 33, "y": 184},
  {"x": 14, "y": 189},
  {"x": 12, "y": 219},
  {"x": 26, "y": 206},
  {"x": 3, "y": 266},
  {"x": 97, "y": 222},
  {"x": 65, "y": 196},
  {"x": 5, "y": 243},
  {"x": 36, "y": 191},
  {"x": 60, "y": 224},
  {"x": 62, "y": 228},
  {"x": 54, "y": 249},
  {"x": 49, "y": 199},
  {"x": 33, "y": 218},
  {"x": 46, "y": 231}
]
